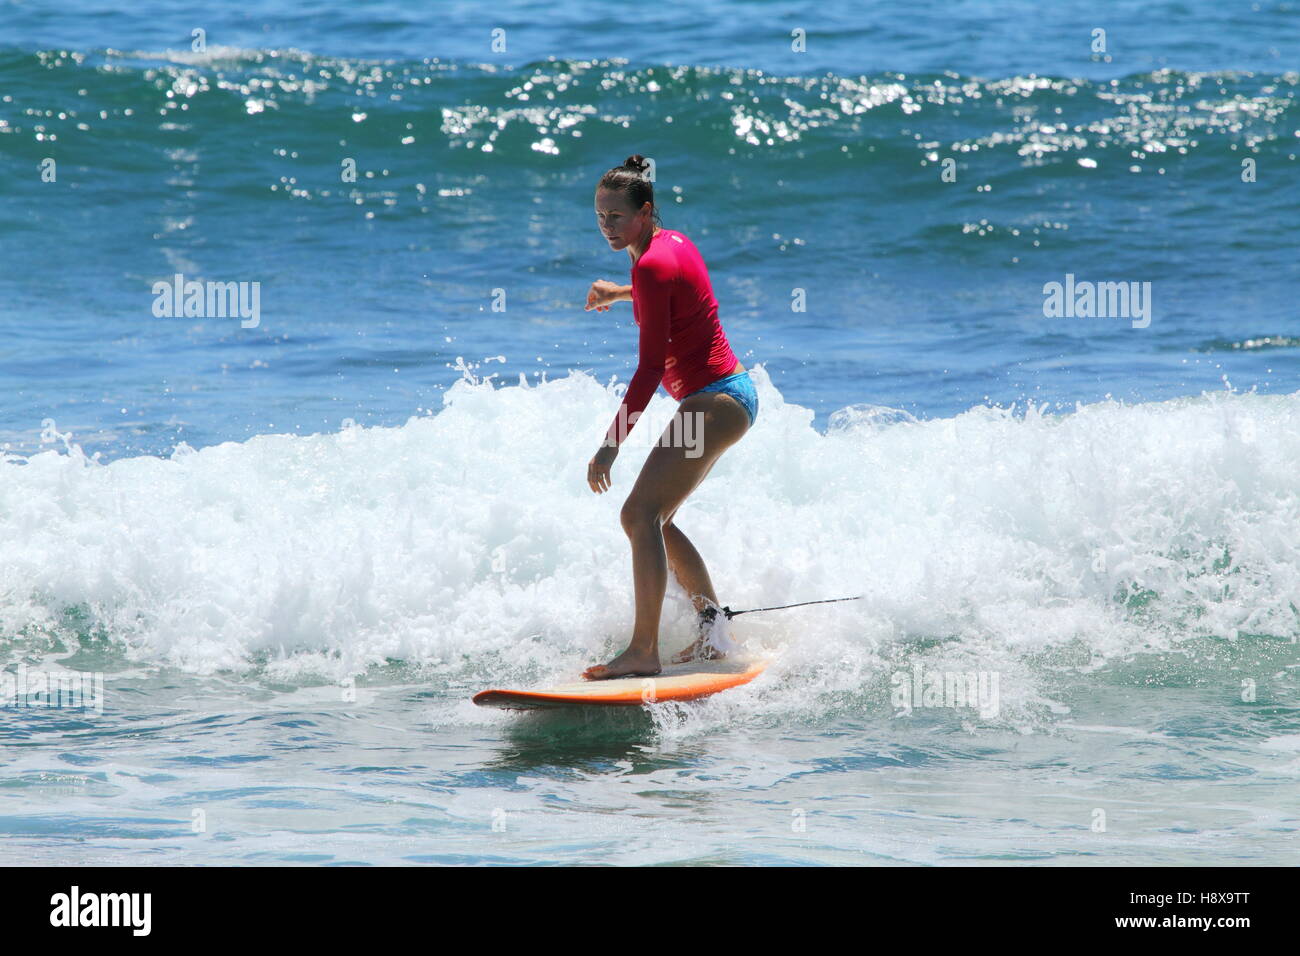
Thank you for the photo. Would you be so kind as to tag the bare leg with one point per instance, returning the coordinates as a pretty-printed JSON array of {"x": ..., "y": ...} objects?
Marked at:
[
  {"x": 666, "y": 480},
  {"x": 688, "y": 567},
  {"x": 686, "y": 563},
  {"x": 691, "y": 573}
]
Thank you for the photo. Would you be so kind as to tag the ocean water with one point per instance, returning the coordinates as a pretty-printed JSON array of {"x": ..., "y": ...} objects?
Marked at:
[{"x": 291, "y": 552}]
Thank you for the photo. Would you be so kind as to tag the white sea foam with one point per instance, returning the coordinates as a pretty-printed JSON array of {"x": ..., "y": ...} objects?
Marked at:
[{"x": 468, "y": 542}]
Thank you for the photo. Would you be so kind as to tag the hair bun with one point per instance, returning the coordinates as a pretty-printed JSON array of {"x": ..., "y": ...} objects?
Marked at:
[{"x": 637, "y": 163}]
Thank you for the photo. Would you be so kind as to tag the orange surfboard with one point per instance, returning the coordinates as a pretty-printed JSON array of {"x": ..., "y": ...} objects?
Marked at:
[{"x": 676, "y": 682}]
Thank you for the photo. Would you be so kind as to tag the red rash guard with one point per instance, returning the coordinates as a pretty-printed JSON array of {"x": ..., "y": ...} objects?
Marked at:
[{"x": 682, "y": 342}]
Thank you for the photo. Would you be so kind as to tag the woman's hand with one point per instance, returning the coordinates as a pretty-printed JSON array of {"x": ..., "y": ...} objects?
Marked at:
[
  {"x": 598, "y": 468},
  {"x": 603, "y": 294}
]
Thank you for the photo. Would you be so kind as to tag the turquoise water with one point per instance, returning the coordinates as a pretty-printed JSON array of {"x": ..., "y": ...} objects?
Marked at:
[
  {"x": 291, "y": 777},
  {"x": 293, "y": 551}
]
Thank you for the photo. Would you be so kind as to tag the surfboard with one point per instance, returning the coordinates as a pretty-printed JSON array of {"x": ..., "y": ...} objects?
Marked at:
[{"x": 689, "y": 681}]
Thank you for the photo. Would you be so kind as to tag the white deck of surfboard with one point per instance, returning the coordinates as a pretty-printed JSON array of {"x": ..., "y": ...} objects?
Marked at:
[
  {"x": 673, "y": 675},
  {"x": 675, "y": 682}
]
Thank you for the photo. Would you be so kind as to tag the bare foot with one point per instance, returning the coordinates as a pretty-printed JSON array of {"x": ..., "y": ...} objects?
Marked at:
[
  {"x": 627, "y": 664},
  {"x": 701, "y": 650}
]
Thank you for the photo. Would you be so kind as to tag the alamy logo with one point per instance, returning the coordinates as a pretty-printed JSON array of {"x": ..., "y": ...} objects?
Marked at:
[
  {"x": 35, "y": 688},
  {"x": 208, "y": 300},
  {"x": 683, "y": 430},
  {"x": 921, "y": 688},
  {"x": 102, "y": 909},
  {"x": 1102, "y": 300}
]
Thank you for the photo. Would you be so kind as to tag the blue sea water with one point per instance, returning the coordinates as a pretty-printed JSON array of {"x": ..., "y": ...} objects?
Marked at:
[{"x": 293, "y": 550}]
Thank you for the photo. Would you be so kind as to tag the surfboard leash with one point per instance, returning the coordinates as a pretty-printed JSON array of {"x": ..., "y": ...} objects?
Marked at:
[{"x": 711, "y": 613}]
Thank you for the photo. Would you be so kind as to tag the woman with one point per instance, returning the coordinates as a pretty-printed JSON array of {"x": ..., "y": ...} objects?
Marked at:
[{"x": 681, "y": 344}]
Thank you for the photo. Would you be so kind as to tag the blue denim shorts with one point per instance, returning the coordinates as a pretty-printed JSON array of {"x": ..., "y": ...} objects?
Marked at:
[{"x": 740, "y": 387}]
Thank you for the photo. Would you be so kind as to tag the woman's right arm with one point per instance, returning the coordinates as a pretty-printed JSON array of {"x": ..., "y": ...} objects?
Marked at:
[{"x": 604, "y": 293}]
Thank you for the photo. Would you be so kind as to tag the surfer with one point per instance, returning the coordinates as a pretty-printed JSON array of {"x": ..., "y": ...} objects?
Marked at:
[{"x": 683, "y": 346}]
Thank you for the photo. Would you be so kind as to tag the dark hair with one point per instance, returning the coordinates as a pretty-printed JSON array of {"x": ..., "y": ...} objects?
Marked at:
[{"x": 630, "y": 180}]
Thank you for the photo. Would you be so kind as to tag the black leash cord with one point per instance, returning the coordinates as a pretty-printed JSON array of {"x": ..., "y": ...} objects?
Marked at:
[{"x": 781, "y": 607}]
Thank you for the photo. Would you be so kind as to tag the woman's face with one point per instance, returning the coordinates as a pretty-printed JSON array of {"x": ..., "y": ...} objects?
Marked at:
[{"x": 620, "y": 224}]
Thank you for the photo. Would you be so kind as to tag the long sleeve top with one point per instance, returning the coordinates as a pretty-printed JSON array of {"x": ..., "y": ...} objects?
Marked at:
[{"x": 682, "y": 343}]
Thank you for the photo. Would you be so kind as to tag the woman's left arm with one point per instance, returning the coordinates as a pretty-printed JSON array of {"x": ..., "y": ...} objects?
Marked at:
[{"x": 654, "y": 287}]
